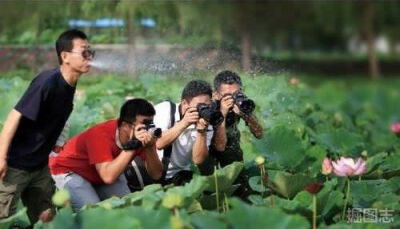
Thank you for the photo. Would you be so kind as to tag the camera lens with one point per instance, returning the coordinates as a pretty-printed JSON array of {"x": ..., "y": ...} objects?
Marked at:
[
  {"x": 245, "y": 104},
  {"x": 216, "y": 118},
  {"x": 210, "y": 114},
  {"x": 156, "y": 132}
]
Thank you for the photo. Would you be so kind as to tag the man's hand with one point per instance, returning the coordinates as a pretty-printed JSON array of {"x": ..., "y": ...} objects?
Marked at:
[
  {"x": 3, "y": 168},
  {"x": 191, "y": 116},
  {"x": 7, "y": 134},
  {"x": 144, "y": 136},
  {"x": 236, "y": 109},
  {"x": 227, "y": 103},
  {"x": 202, "y": 125}
]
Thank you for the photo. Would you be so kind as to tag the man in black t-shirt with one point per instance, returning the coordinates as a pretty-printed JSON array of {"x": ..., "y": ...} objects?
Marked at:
[{"x": 33, "y": 126}]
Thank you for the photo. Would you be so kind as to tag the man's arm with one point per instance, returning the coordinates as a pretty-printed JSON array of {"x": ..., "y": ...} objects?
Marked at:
[
  {"x": 153, "y": 164},
  {"x": 219, "y": 138},
  {"x": 7, "y": 134},
  {"x": 110, "y": 171},
  {"x": 255, "y": 128},
  {"x": 170, "y": 135},
  {"x": 200, "y": 149}
]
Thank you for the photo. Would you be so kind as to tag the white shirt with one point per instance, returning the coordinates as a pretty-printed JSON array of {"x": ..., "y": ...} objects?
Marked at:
[{"x": 181, "y": 154}]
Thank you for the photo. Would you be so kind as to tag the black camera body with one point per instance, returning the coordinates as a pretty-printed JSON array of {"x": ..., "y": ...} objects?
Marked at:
[
  {"x": 245, "y": 104},
  {"x": 210, "y": 113},
  {"x": 151, "y": 128}
]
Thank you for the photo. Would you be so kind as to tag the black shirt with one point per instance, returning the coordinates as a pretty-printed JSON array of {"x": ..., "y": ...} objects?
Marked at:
[
  {"x": 45, "y": 108},
  {"x": 233, "y": 151}
]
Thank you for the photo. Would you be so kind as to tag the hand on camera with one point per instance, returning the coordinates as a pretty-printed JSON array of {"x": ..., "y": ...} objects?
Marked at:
[
  {"x": 201, "y": 125},
  {"x": 236, "y": 109},
  {"x": 227, "y": 103},
  {"x": 191, "y": 116},
  {"x": 144, "y": 136}
]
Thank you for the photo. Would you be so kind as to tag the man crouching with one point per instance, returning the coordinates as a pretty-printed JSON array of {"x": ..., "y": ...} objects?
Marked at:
[
  {"x": 91, "y": 165},
  {"x": 189, "y": 128}
]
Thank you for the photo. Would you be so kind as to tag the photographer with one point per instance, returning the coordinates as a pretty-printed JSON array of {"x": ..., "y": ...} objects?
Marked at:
[
  {"x": 186, "y": 132},
  {"x": 91, "y": 165},
  {"x": 228, "y": 87}
]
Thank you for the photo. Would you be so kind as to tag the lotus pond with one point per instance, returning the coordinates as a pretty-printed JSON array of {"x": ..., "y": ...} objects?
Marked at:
[{"x": 304, "y": 123}]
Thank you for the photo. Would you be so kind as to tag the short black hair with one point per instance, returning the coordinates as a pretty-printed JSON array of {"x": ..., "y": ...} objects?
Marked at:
[
  {"x": 134, "y": 107},
  {"x": 195, "y": 88},
  {"x": 64, "y": 42},
  {"x": 226, "y": 77}
]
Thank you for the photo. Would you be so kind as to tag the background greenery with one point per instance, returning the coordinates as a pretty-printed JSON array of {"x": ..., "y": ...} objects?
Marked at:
[
  {"x": 302, "y": 126},
  {"x": 334, "y": 110}
]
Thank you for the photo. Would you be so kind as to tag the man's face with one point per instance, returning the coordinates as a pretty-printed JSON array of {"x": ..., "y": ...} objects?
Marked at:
[
  {"x": 195, "y": 101},
  {"x": 75, "y": 59},
  {"x": 129, "y": 128},
  {"x": 141, "y": 119},
  {"x": 226, "y": 89}
]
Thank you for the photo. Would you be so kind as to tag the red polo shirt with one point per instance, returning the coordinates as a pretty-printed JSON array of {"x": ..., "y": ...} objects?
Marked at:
[{"x": 82, "y": 152}]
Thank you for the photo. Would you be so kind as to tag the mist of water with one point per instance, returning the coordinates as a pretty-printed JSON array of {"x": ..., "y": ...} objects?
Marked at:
[{"x": 184, "y": 62}]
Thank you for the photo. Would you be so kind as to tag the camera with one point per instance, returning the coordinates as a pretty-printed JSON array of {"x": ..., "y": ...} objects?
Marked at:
[
  {"x": 245, "y": 104},
  {"x": 210, "y": 113},
  {"x": 151, "y": 128}
]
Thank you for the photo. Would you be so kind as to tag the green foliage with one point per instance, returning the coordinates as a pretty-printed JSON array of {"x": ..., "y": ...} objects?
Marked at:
[
  {"x": 286, "y": 184},
  {"x": 19, "y": 218},
  {"x": 283, "y": 147},
  {"x": 302, "y": 125},
  {"x": 242, "y": 214}
]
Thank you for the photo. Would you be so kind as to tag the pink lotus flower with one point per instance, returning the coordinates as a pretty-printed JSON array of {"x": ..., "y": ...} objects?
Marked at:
[
  {"x": 327, "y": 166},
  {"x": 396, "y": 128},
  {"x": 294, "y": 81},
  {"x": 347, "y": 167}
]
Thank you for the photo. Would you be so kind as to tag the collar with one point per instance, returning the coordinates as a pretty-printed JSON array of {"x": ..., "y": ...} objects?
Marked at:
[
  {"x": 117, "y": 139},
  {"x": 180, "y": 112}
]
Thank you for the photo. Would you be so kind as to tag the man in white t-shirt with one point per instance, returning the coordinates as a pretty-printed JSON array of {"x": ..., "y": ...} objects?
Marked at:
[{"x": 187, "y": 139}]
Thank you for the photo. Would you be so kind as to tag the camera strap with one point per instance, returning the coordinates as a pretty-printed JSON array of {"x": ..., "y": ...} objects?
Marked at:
[{"x": 168, "y": 150}]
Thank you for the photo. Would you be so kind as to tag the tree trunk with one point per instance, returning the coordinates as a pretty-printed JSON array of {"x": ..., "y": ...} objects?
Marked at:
[
  {"x": 246, "y": 49},
  {"x": 243, "y": 24},
  {"x": 182, "y": 28},
  {"x": 131, "y": 45},
  {"x": 369, "y": 18}
]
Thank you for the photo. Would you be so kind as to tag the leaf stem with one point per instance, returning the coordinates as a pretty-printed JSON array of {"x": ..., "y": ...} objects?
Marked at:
[
  {"x": 314, "y": 211},
  {"x": 347, "y": 198},
  {"x": 216, "y": 187}
]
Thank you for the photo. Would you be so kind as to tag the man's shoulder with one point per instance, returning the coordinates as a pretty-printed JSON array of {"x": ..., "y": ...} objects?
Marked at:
[
  {"x": 164, "y": 104},
  {"x": 164, "y": 107},
  {"x": 48, "y": 74},
  {"x": 47, "y": 78},
  {"x": 99, "y": 133},
  {"x": 101, "y": 130},
  {"x": 105, "y": 126}
]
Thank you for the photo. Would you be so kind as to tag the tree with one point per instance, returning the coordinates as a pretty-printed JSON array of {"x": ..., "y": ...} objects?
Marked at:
[{"x": 369, "y": 18}]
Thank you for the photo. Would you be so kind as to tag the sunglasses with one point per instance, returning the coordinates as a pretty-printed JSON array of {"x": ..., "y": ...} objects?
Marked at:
[{"x": 86, "y": 54}]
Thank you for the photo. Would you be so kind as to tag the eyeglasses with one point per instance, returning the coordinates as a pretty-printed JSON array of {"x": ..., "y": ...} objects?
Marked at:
[{"x": 86, "y": 54}]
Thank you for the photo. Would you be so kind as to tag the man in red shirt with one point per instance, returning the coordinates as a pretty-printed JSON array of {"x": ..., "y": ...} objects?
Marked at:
[{"x": 91, "y": 165}]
